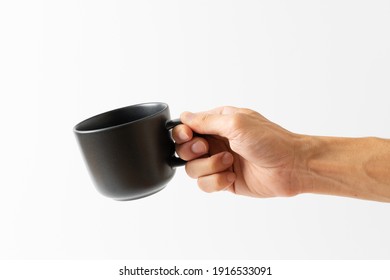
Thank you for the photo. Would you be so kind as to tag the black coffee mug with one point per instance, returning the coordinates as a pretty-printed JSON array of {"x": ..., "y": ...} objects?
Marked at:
[{"x": 129, "y": 151}]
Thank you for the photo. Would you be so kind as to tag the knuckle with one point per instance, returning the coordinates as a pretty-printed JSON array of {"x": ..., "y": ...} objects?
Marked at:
[
  {"x": 246, "y": 110},
  {"x": 203, "y": 118},
  {"x": 236, "y": 121}
]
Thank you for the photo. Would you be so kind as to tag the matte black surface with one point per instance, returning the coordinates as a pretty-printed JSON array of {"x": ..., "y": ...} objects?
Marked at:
[{"x": 129, "y": 151}]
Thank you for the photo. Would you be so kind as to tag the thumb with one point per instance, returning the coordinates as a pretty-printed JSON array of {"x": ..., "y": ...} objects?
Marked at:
[{"x": 207, "y": 123}]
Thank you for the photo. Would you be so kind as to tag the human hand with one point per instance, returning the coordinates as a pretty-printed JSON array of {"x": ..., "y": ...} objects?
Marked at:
[{"x": 239, "y": 150}]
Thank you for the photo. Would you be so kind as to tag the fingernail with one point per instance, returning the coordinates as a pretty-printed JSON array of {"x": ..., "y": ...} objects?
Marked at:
[
  {"x": 231, "y": 177},
  {"x": 183, "y": 136},
  {"x": 187, "y": 116},
  {"x": 227, "y": 158},
  {"x": 198, "y": 147}
]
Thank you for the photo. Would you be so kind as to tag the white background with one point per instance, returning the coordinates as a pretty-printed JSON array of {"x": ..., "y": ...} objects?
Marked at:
[{"x": 314, "y": 67}]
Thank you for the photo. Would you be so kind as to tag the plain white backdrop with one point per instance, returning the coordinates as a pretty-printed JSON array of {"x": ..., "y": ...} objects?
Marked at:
[{"x": 314, "y": 67}]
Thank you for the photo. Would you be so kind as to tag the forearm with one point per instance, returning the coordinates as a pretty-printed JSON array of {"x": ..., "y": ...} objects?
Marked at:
[{"x": 352, "y": 167}]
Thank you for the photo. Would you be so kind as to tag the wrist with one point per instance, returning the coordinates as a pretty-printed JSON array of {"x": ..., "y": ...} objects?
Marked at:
[
  {"x": 305, "y": 147},
  {"x": 352, "y": 167}
]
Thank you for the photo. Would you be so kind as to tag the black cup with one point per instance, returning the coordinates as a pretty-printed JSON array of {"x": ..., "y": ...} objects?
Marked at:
[{"x": 129, "y": 151}]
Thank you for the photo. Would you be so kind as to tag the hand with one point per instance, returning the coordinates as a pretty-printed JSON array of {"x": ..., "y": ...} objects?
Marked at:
[{"x": 240, "y": 151}]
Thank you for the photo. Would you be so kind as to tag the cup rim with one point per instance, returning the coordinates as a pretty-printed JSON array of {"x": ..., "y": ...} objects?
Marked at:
[{"x": 77, "y": 126}]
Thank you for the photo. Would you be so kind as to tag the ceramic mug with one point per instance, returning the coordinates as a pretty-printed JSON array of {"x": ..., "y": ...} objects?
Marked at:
[{"x": 129, "y": 151}]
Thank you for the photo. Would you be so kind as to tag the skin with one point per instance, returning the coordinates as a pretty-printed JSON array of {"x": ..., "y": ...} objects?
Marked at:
[{"x": 240, "y": 151}]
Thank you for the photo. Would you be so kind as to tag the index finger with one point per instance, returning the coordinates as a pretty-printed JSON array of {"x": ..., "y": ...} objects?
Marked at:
[{"x": 182, "y": 133}]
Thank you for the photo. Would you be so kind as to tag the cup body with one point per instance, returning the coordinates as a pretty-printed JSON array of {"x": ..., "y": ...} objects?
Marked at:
[{"x": 128, "y": 151}]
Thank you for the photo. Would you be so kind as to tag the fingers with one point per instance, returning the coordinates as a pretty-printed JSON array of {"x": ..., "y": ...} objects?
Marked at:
[
  {"x": 213, "y": 172},
  {"x": 225, "y": 110},
  {"x": 181, "y": 134},
  {"x": 193, "y": 149},
  {"x": 207, "y": 166},
  {"x": 206, "y": 123},
  {"x": 188, "y": 147},
  {"x": 220, "y": 121},
  {"x": 216, "y": 182}
]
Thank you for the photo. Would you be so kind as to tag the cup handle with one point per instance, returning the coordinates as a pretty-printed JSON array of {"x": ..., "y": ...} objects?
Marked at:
[{"x": 174, "y": 161}]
